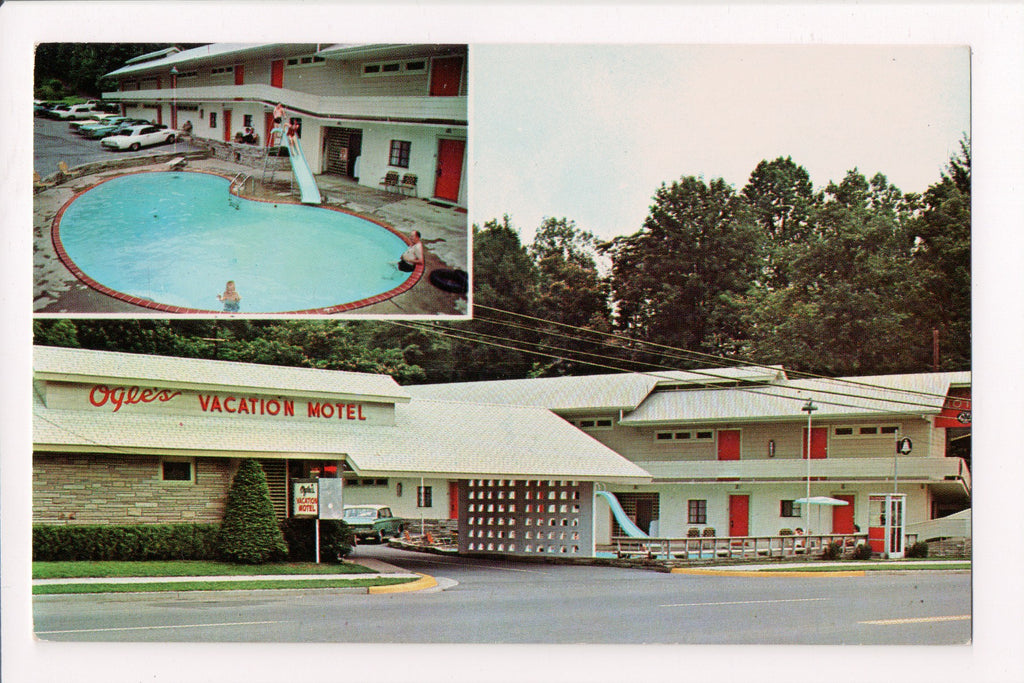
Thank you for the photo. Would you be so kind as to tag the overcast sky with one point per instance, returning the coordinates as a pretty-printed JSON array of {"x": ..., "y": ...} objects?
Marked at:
[{"x": 589, "y": 132}]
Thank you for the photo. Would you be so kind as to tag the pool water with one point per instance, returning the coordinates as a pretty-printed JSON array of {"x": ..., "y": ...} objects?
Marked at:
[{"x": 176, "y": 239}]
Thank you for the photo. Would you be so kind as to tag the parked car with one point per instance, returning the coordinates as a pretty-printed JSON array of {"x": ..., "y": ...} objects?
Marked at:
[
  {"x": 108, "y": 126},
  {"x": 54, "y": 111},
  {"x": 136, "y": 137},
  {"x": 77, "y": 111},
  {"x": 372, "y": 522},
  {"x": 97, "y": 117}
]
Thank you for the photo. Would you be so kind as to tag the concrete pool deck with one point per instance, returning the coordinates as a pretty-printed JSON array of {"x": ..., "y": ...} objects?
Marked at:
[{"x": 445, "y": 233}]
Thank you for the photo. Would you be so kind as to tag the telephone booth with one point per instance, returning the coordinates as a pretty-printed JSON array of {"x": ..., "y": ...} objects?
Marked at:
[{"x": 886, "y": 524}]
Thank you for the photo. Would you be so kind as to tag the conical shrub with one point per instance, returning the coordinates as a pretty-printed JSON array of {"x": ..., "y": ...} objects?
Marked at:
[{"x": 249, "y": 533}]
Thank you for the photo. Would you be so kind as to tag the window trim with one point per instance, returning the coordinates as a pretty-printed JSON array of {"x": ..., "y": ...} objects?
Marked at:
[
  {"x": 376, "y": 69},
  {"x": 856, "y": 431},
  {"x": 697, "y": 511},
  {"x": 191, "y": 480},
  {"x": 298, "y": 63},
  {"x": 404, "y": 153},
  {"x": 595, "y": 424},
  {"x": 686, "y": 435}
]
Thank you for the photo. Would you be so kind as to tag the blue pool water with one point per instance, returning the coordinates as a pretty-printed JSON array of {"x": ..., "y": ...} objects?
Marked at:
[{"x": 175, "y": 239}]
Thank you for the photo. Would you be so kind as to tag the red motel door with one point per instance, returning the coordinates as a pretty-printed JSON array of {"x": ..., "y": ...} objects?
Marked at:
[
  {"x": 842, "y": 516},
  {"x": 227, "y": 125},
  {"x": 277, "y": 73},
  {"x": 728, "y": 444},
  {"x": 453, "y": 500},
  {"x": 239, "y": 74},
  {"x": 739, "y": 515},
  {"x": 445, "y": 76},
  {"x": 268, "y": 125},
  {"x": 449, "y": 169},
  {"x": 819, "y": 443}
]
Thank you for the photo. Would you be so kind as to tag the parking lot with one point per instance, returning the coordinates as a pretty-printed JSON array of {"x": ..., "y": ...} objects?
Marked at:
[{"x": 54, "y": 142}]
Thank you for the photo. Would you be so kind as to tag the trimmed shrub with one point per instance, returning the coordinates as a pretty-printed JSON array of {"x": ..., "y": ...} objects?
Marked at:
[
  {"x": 863, "y": 551},
  {"x": 693, "y": 532},
  {"x": 249, "y": 533},
  {"x": 833, "y": 551},
  {"x": 785, "y": 532},
  {"x": 918, "y": 550},
  {"x": 708, "y": 531},
  {"x": 128, "y": 543},
  {"x": 336, "y": 539}
]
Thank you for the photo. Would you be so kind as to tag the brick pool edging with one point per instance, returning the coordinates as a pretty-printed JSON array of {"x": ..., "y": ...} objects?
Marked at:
[{"x": 66, "y": 259}]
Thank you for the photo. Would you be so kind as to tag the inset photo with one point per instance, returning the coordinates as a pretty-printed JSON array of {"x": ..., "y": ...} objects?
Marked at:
[{"x": 251, "y": 179}]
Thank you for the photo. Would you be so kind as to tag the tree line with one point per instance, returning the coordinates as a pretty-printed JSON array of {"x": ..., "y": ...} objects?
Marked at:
[{"x": 857, "y": 278}]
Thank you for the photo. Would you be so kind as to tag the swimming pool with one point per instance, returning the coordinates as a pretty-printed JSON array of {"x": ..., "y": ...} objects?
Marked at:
[{"x": 170, "y": 241}]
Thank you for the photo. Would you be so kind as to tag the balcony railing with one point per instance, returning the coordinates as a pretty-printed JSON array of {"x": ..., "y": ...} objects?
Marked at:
[
  {"x": 717, "y": 549},
  {"x": 908, "y": 469},
  {"x": 398, "y": 108}
]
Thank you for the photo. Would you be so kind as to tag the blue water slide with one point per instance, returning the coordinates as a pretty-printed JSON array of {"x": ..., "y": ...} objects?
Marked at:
[
  {"x": 308, "y": 189},
  {"x": 627, "y": 525}
]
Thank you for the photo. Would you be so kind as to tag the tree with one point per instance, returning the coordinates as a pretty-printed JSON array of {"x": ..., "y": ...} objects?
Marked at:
[
  {"x": 249, "y": 533},
  {"x": 842, "y": 311},
  {"x": 942, "y": 263},
  {"x": 781, "y": 197},
  {"x": 677, "y": 281}
]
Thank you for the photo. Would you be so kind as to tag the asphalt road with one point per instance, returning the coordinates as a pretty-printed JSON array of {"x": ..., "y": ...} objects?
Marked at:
[
  {"x": 54, "y": 142},
  {"x": 521, "y": 602}
]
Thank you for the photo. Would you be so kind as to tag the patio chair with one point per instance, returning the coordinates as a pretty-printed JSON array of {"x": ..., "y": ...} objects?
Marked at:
[
  {"x": 390, "y": 181},
  {"x": 39, "y": 184},
  {"x": 409, "y": 183}
]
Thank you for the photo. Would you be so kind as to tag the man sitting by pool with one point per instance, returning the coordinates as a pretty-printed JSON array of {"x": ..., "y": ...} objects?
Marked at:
[{"x": 413, "y": 255}]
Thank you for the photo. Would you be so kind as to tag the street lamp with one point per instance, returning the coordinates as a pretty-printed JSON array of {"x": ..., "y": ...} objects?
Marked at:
[
  {"x": 808, "y": 408},
  {"x": 174, "y": 102}
]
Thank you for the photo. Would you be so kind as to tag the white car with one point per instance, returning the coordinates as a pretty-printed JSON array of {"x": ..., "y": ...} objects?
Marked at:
[
  {"x": 136, "y": 137},
  {"x": 78, "y": 111}
]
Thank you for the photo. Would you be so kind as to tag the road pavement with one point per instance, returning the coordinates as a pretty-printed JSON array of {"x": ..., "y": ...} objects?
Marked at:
[{"x": 495, "y": 601}]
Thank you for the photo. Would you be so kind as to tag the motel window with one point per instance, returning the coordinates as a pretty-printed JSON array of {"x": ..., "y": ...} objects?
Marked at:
[
  {"x": 247, "y": 120},
  {"x": 789, "y": 508},
  {"x": 213, "y": 119},
  {"x": 395, "y": 68},
  {"x": 424, "y": 496},
  {"x": 866, "y": 431},
  {"x": 697, "y": 512},
  {"x": 594, "y": 423},
  {"x": 176, "y": 470},
  {"x": 308, "y": 60},
  {"x": 702, "y": 435},
  {"x": 400, "y": 153}
]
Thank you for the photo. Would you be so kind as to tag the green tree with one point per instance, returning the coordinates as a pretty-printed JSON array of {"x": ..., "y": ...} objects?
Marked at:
[
  {"x": 678, "y": 280},
  {"x": 942, "y": 264},
  {"x": 842, "y": 312},
  {"x": 249, "y": 533},
  {"x": 781, "y": 197}
]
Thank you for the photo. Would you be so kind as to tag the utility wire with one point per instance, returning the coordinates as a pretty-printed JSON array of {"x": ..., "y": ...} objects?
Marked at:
[{"x": 699, "y": 354}]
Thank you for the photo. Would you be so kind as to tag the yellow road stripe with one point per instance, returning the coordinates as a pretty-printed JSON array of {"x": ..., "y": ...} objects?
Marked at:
[{"x": 917, "y": 620}]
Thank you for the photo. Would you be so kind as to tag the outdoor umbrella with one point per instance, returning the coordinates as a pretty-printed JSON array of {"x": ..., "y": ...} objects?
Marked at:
[{"x": 820, "y": 501}]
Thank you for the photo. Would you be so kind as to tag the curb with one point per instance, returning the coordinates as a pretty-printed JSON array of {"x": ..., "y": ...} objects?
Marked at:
[
  {"x": 419, "y": 584},
  {"x": 767, "y": 572}
]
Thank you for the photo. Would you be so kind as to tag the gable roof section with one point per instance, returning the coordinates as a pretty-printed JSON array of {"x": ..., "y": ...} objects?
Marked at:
[
  {"x": 610, "y": 392},
  {"x": 874, "y": 396},
  {"x": 213, "y": 53},
  {"x": 83, "y": 365}
]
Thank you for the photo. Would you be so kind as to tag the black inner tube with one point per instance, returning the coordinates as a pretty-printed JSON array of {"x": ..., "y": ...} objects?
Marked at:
[{"x": 449, "y": 280}]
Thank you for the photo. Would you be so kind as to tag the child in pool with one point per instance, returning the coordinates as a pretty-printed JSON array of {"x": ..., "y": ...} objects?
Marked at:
[{"x": 230, "y": 298}]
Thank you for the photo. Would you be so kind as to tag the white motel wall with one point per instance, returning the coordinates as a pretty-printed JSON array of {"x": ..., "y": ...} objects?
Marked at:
[{"x": 128, "y": 438}]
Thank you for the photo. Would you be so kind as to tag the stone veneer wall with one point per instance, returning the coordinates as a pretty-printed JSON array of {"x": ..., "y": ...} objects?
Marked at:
[{"x": 86, "y": 488}]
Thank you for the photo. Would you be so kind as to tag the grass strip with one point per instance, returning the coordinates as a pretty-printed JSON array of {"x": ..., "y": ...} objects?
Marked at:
[
  {"x": 164, "y": 587},
  {"x": 99, "y": 570}
]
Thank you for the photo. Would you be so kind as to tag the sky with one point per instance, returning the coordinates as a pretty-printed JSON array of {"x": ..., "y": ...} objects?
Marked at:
[{"x": 589, "y": 132}]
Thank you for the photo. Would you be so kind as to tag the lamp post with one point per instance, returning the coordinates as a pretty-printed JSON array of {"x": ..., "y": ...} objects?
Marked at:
[
  {"x": 174, "y": 104},
  {"x": 808, "y": 408}
]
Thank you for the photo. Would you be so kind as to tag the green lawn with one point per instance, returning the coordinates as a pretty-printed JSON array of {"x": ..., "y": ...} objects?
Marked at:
[
  {"x": 75, "y": 570},
  {"x": 261, "y": 584}
]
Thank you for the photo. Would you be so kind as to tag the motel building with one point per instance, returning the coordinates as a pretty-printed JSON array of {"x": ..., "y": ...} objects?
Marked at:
[
  {"x": 362, "y": 110},
  {"x": 522, "y": 465}
]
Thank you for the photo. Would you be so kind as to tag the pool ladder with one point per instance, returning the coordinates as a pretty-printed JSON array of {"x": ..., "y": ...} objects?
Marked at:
[{"x": 239, "y": 180}]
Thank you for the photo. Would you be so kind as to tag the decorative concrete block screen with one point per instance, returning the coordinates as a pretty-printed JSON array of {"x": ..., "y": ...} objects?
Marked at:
[{"x": 526, "y": 517}]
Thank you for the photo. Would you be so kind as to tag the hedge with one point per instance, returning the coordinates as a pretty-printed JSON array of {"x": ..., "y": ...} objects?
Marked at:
[
  {"x": 130, "y": 542},
  {"x": 336, "y": 539}
]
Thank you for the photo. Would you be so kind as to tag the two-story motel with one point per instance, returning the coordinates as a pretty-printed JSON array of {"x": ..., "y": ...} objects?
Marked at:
[
  {"x": 362, "y": 110},
  {"x": 127, "y": 438}
]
